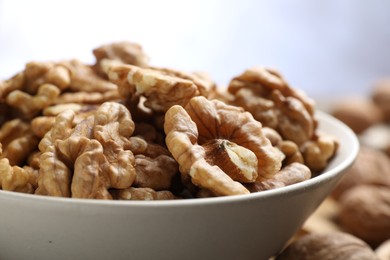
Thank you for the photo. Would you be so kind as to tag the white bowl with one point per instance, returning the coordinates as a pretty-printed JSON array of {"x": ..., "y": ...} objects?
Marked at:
[{"x": 254, "y": 226}]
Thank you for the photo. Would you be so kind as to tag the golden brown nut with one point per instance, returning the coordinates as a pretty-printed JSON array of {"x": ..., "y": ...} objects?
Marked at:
[
  {"x": 97, "y": 150},
  {"x": 19, "y": 149},
  {"x": 143, "y": 194},
  {"x": 295, "y": 123},
  {"x": 202, "y": 81},
  {"x": 54, "y": 175},
  {"x": 14, "y": 83},
  {"x": 14, "y": 178},
  {"x": 33, "y": 159},
  {"x": 291, "y": 152},
  {"x": 121, "y": 53},
  {"x": 83, "y": 97},
  {"x": 365, "y": 212},
  {"x": 105, "y": 163},
  {"x": 161, "y": 90},
  {"x": 318, "y": 151},
  {"x": 370, "y": 167},
  {"x": 32, "y": 105},
  {"x": 381, "y": 96},
  {"x": 34, "y": 73},
  {"x": 328, "y": 246},
  {"x": 42, "y": 124},
  {"x": 200, "y": 134},
  {"x": 264, "y": 93},
  {"x": 83, "y": 78},
  {"x": 17, "y": 141},
  {"x": 290, "y": 174},
  {"x": 155, "y": 173},
  {"x": 358, "y": 113},
  {"x": 12, "y": 130},
  {"x": 154, "y": 165}
]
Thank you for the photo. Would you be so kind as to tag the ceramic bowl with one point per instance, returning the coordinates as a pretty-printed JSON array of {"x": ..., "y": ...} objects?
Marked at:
[{"x": 254, "y": 226}]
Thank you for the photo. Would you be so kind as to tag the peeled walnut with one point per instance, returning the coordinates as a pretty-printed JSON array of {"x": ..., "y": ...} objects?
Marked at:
[
  {"x": 381, "y": 97},
  {"x": 290, "y": 174},
  {"x": 17, "y": 141},
  {"x": 267, "y": 96},
  {"x": 83, "y": 97},
  {"x": 358, "y": 113},
  {"x": 328, "y": 246},
  {"x": 106, "y": 163},
  {"x": 154, "y": 165},
  {"x": 318, "y": 151},
  {"x": 161, "y": 90},
  {"x": 365, "y": 212},
  {"x": 215, "y": 143},
  {"x": 291, "y": 152},
  {"x": 57, "y": 184},
  {"x": 31, "y": 105},
  {"x": 14, "y": 83},
  {"x": 14, "y": 178},
  {"x": 84, "y": 78},
  {"x": 121, "y": 53},
  {"x": 96, "y": 150},
  {"x": 370, "y": 167},
  {"x": 142, "y": 194}
]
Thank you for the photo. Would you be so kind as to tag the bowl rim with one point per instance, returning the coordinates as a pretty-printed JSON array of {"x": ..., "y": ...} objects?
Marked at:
[{"x": 283, "y": 191}]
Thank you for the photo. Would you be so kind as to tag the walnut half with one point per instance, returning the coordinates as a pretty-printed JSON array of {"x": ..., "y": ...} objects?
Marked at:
[{"x": 219, "y": 145}]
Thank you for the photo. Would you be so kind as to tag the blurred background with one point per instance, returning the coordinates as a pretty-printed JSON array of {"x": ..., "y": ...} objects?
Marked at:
[{"x": 328, "y": 48}]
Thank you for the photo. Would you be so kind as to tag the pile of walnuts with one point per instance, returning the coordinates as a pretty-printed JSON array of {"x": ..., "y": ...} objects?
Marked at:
[
  {"x": 355, "y": 219},
  {"x": 122, "y": 129}
]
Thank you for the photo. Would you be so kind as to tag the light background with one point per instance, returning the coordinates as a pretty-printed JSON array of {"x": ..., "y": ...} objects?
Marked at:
[{"x": 328, "y": 48}]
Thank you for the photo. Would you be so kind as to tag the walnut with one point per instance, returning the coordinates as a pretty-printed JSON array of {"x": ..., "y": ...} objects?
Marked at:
[
  {"x": 42, "y": 124},
  {"x": 155, "y": 173},
  {"x": 83, "y": 97},
  {"x": 32, "y": 105},
  {"x": 55, "y": 110},
  {"x": 370, "y": 167},
  {"x": 17, "y": 141},
  {"x": 14, "y": 83},
  {"x": 290, "y": 174},
  {"x": 358, "y": 113},
  {"x": 97, "y": 150},
  {"x": 204, "y": 130},
  {"x": 122, "y": 53},
  {"x": 160, "y": 89},
  {"x": 265, "y": 94},
  {"x": 143, "y": 194},
  {"x": 203, "y": 81},
  {"x": 318, "y": 151},
  {"x": 328, "y": 246},
  {"x": 154, "y": 165},
  {"x": 15, "y": 178},
  {"x": 34, "y": 75},
  {"x": 291, "y": 152},
  {"x": 365, "y": 212},
  {"x": 381, "y": 97},
  {"x": 54, "y": 174},
  {"x": 83, "y": 78},
  {"x": 33, "y": 160}
]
